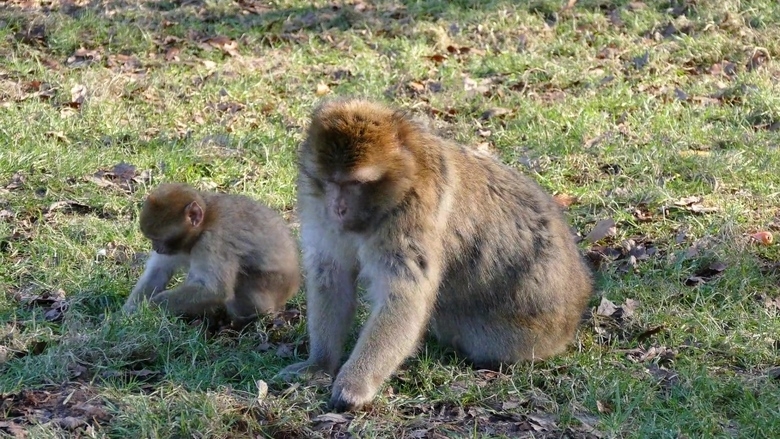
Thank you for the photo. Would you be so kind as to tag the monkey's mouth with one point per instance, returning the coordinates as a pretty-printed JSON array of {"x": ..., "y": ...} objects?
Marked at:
[{"x": 354, "y": 225}]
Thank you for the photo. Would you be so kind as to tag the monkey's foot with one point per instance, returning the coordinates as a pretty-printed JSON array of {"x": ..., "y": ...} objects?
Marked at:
[
  {"x": 350, "y": 396},
  {"x": 129, "y": 308}
]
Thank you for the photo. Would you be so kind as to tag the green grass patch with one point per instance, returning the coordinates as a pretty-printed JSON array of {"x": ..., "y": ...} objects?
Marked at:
[{"x": 627, "y": 108}]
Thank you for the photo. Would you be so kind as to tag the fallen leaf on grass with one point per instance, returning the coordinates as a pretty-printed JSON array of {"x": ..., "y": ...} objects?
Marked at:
[
  {"x": 724, "y": 68},
  {"x": 565, "y": 200},
  {"x": 322, "y": 89},
  {"x": 35, "y": 35},
  {"x": 644, "y": 335},
  {"x": 122, "y": 175},
  {"x": 326, "y": 421},
  {"x": 642, "y": 213},
  {"x": 69, "y": 422},
  {"x": 437, "y": 58},
  {"x": 38, "y": 89},
  {"x": 764, "y": 237},
  {"x": 603, "y": 407},
  {"x": 662, "y": 354},
  {"x": 119, "y": 253},
  {"x": 17, "y": 181},
  {"x": 69, "y": 206},
  {"x": 607, "y": 308},
  {"x": 772, "y": 303},
  {"x": 172, "y": 54},
  {"x": 47, "y": 298},
  {"x": 495, "y": 112},
  {"x": 83, "y": 57},
  {"x": 758, "y": 59},
  {"x": 56, "y": 312},
  {"x": 706, "y": 274},
  {"x": 13, "y": 429},
  {"x": 601, "y": 230},
  {"x": 225, "y": 44},
  {"x": 665, "y": 378},
  {"x": 692, "y": 204},
  {"x": 77, "y": 95}
]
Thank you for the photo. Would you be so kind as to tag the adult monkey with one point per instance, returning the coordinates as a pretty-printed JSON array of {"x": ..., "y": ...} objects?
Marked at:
[
  {"x": 240, "y": 255},
  {"x": 443, "y": 236}
]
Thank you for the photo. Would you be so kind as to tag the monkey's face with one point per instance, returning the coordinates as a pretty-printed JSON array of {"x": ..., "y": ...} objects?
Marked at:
[
  {"x": 170, "y": 244},
  {"x": 349, "y": 204},
  {"x": 354, "y": 162},
  {"x": 171, "y": 217},
  {"x": 162, "y": 247},
  {"x": 168, "y": 235}
]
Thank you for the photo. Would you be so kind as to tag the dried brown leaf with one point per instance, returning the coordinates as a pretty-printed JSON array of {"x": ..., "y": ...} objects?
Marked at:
[
  {"x": 603, "y": 407},
  {"x": 706, "y": 274},
  {"x": 56, "y": 312},
  {"x": 772, "y": 303},
  {"x": 496, "y": 112},
  {"x": 13, "y": 429},
  {"x": 758, "y": 59},
  {"x": 687, "y": 201},
  {"x": 606, "y": 308},
  {"x": 69, "y": 422},
  {"x": 601, "y": 230},
  {"x": 764, "y": 237},
  {"x": 437, "y": 58},
  {"x": 565, "y": 200},
  {"x": 94, "y": 412},
  {"x": 172, "y": 54},
  {"x": 70, "y": 206},
  {"x": 322, "y": 89},
  {"x": 644, "y": 335}
]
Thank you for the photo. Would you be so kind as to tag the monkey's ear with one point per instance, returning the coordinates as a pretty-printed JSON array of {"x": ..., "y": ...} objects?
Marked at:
[{"x": 194, "y": 213}]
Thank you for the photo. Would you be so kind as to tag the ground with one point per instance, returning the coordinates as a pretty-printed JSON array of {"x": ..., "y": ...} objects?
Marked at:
[{"x": 655, "y": 124}]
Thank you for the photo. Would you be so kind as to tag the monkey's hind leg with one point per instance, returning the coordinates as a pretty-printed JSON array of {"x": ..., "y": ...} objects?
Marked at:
[
  {"x": 492, "y": 342},
  {"x": 260, "y": 293}
]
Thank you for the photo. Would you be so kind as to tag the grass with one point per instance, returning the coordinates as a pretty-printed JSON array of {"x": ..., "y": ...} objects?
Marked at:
[{"x": 625, "y": 107}]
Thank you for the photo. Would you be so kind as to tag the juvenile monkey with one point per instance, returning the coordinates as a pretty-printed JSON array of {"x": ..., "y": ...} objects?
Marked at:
[
  {"x": 240, "y": 255},
  {"x": 442, "y": 237}
]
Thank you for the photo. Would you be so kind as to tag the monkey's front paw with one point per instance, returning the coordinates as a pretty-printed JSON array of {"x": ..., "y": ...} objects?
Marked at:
[
  {"x": 130, "y": 307},
  {"x": 348, "y": 396},
  {"x": 304, "y": 369}
]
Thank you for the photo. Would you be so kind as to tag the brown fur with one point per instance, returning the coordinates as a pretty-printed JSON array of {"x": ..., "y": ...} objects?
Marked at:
[
  {"x": 240, "y": 255},
  {"x": 443, "y": 237}
]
